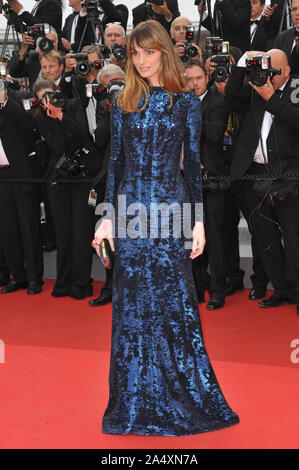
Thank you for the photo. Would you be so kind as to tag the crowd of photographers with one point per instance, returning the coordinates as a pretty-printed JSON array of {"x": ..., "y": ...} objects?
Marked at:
[{"x": 55, "y": 97}]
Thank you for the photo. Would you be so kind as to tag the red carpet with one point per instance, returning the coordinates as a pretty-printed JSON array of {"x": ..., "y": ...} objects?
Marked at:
[{"x": 54, "y": 382}]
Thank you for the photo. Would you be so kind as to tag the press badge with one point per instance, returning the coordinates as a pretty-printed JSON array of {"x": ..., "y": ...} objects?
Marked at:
[{"x": 92, "y": 200}]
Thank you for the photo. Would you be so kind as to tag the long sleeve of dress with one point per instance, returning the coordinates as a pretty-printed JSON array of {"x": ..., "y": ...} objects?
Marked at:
[
  {"x": 192, "y": 166},
  {"x": 117, "y": 160}
]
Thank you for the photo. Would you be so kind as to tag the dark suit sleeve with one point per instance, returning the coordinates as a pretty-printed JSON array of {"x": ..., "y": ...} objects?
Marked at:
[
  {"x": 49, "y": 12},
  {"x": 16, "y": 111},
  {"x": 235, "y": 86},
  {"x": 17, "y": 67},
  {"x": 286, "y": 111},
  {"x": 114, "y": 13},
  {"x": 215, "y": 124},
  {"x": 238, "y": 15}
]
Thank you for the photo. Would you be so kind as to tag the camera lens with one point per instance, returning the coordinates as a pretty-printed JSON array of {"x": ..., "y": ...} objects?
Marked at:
[
  {"x": 190, "y": 51},
  {"x": 83, "y": 68}
]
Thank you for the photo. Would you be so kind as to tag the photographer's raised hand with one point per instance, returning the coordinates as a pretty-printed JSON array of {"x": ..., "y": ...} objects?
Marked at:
[{"x": 162, "y": 10}]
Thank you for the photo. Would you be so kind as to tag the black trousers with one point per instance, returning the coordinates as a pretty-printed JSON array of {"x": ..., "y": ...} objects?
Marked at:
[
  {"x": 236, "y": 201},
  {"x": 4, "y": 269},
  {"x": 215, "y": 248},
  {"x": 276, "y": 226},
  {"x": 74, "y": 227},
  {"x": 20, "y": 231}
]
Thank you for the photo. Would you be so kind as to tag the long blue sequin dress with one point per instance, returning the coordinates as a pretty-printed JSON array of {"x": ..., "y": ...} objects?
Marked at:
[{"x": 161, "y": 380}]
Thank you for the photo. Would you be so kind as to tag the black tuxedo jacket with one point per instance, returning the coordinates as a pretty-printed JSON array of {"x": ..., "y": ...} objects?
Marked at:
[
  {"x": 284, "y": 41},
  {"x": 17, "y": 139},
  {"x": 140, "y": 14},
  {"x": 264, "y": 37},
  {"x": 235, "y": 22},
  {"x": 48, "y": 11},
  {"x": 215, "y": 112},
  {"x": 67, "y": 31},
  {"x": 283, "y": 138},
  {"x": 113, "y": 13},
  {"x": 29, "y": 67}
]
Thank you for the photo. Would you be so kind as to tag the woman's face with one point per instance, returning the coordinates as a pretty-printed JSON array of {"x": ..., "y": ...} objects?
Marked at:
[{"x": 147, "y": 62}]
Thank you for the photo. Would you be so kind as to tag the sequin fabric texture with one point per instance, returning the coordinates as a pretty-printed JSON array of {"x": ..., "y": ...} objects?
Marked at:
[{"x": 161, "y": 381}]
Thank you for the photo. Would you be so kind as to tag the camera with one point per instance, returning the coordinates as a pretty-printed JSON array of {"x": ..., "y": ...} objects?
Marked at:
[
  {"x": 259, "y": 69},
  {"x": 38, "y": 33},
  {"x": 56, "y": 99},
  {"x": 3, "y": 88},
  {"x": 92, "y": 9},
  {"x": 119, "y": 52},
  {"x": 71, "y": 166},
  {"x": 223, "y": 68},
  {"x": 190, "y": 51},
  {"x": 83, "y": 66},
  {"x": 3, "y": 70},
  {"x": 198, "y": 2},
  {"x": 159, "y": 3},
  {"x": 113, "y": 88},
  {"x": 93, "y": 89},
  {"x": 216, "y": 45}
]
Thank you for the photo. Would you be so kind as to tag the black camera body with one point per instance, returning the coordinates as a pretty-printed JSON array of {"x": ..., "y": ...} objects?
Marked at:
[
  {"x": 83, "y": 66},
  {"x": 56, "y": 99},
  {"x": 92, "y": 9},
  {"x": 190, "y": 51},
  {"x": 94, "y": 89},
  {"x": 158, "y": 3},
  {"x": 71, "y": 166},
  {"x": 223, "y": 69},
  {"x": 119, "y": 52},
  {"x": 215, "y": 45},
  {"x": 259, "y": 69},
  {"x": 38, "y": 33}
]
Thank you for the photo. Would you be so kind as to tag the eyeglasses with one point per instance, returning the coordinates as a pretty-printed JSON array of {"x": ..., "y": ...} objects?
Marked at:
[{"x": 115, "y": 22}]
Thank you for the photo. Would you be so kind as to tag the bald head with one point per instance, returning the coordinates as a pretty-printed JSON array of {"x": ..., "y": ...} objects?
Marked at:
[
  {"x": 279, "y": 60},
  {"x": 178, "y": 28}
]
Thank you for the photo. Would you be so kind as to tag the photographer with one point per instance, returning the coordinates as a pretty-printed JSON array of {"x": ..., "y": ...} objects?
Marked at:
[
  {"x": 215, "y": 112},
  {"x": 98, "y": 14},
  {"x": 51, "y": 66},
  {"x": 235, "y": 199},
  {"x": 262, "y": 26},
  {"x": 79, "y": 70},
  {"x": 288, "y": 41},
  {"x": 69, "y": 28},
  {"x": 20, "y": 231},
  {"x": 185, "y": 48},
  {"x": 44, "y": 11},
  {"x": 231, "y": 21},
  {"x": 268, "y": 143},
  {"x": 115, "y": 39},
  {"x": 163, "y": 11},
  {"x": 72, "y": 157},
  {"x": 26, "y": 63},
  {"x": 112, "y": 77}
]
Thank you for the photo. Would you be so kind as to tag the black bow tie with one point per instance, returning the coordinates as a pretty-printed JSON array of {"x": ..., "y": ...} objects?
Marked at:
[
  {"x": 278, "y": 92},
  {"x": 255, "y": 22},
  {"x": 296, "y": 34}
]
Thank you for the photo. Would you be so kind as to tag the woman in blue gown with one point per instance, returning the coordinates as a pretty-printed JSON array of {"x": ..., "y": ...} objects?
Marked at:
[{"x": 161, "y": 380}]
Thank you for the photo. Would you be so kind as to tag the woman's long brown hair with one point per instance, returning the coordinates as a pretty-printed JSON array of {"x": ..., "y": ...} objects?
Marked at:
[{"x": 151, "y": 35}]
